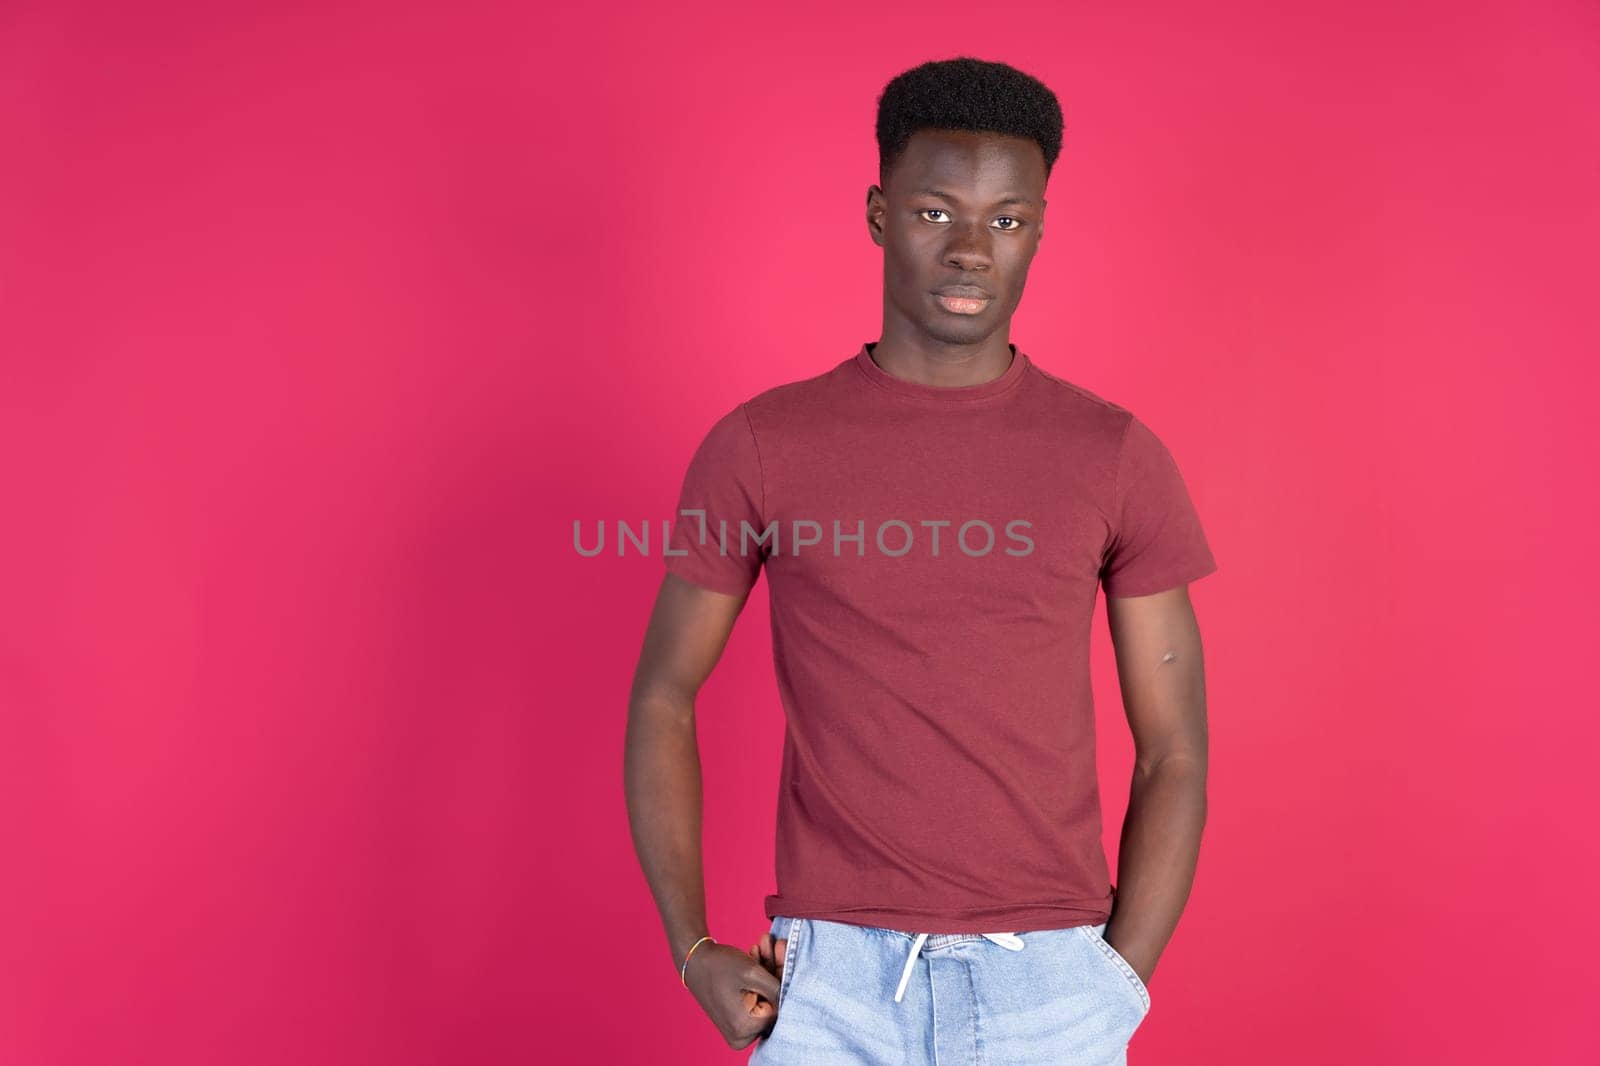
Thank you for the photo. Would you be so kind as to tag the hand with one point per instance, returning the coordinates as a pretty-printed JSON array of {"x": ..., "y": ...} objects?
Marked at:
[
  {"x": 770, "y": 952},
  {"x": 737, "y": 990}
]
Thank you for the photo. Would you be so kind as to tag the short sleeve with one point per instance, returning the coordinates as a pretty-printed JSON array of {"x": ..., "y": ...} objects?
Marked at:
[
  {"x": 717, "y": 540},
  {"x": 1158, "y": 542}
]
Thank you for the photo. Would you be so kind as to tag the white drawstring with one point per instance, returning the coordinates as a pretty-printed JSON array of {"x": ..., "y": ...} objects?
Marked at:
[
  {"x": 911, "y": 960},
  {"x": 1009, "y": 941}
]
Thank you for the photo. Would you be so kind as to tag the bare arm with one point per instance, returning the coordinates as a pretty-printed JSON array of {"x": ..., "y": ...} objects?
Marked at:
[
  {"x": 1161, "y": 670},
  {"x": 688, "y": 629}
]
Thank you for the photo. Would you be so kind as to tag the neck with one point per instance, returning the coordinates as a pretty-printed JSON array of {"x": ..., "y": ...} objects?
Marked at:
[{"x": 925, "y": 360}]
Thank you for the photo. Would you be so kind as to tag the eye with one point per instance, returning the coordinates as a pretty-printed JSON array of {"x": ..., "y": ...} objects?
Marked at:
[
  {"x": 1008, "y": 218},
  {"x": 925, "y": 210}
]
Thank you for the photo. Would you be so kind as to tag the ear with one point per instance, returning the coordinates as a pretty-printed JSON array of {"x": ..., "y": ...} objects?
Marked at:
[{"x": 877, "y": 207}]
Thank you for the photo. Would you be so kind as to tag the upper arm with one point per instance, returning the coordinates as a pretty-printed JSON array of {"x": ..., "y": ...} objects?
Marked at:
[
  {"x": 1161, "y": 669},
  {"x": 711, "y": 565},
  {"x": 688, "y": 629},
  {"x": 1156, "y": 542}
]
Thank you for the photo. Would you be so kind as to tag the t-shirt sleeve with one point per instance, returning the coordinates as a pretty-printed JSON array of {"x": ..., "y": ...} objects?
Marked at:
[
  {"x": 1158, "y": 543},
  {"x": 716, "y": 530}
]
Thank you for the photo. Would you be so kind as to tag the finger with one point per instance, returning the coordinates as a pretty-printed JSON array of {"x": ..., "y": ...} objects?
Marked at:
[
  {"x": 758, "y": 1006},
  {"x": 763, "y": 983}
]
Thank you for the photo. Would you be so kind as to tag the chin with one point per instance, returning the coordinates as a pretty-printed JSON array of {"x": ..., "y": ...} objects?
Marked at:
[{"x": 957, "y": 332}]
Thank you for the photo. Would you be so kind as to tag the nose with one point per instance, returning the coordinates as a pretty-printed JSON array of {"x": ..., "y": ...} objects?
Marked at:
[{"x": 969, "y": 247}]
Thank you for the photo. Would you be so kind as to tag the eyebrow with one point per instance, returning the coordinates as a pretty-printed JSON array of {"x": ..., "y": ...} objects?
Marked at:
[{"x": 1022, "y": 201}]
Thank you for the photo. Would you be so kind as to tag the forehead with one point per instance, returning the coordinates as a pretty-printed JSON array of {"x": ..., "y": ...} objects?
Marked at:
[{"x": 961, "y": 162}]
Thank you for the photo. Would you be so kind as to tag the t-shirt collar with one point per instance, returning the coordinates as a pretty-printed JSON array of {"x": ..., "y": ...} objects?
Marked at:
[{"x": 938, "y": 393}]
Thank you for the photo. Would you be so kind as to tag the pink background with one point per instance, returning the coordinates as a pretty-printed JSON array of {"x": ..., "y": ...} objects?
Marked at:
[{"x": 319, "y": 331}]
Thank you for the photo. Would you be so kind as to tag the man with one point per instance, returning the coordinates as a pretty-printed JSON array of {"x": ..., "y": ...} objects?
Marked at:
[{"x": 936, "y": 515}]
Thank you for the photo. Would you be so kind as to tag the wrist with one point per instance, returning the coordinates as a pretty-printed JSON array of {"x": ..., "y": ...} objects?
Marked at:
[
  {"x": 683, "y": 942},
  {"x": 683, "y": 969}
]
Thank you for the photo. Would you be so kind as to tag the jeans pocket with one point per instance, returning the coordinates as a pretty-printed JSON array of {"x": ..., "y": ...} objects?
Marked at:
[
  {"x": 792, "y": 931},
  {"x": 1129, "y": 977},
  {"x": 792, "y": 936}
]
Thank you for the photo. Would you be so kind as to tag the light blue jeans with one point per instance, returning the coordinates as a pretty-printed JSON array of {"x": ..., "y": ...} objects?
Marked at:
[{"x": 1061, "y": 997}]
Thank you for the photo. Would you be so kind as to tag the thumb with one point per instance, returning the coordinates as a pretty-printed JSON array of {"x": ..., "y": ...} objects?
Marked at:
[{"x": 760, "y": 981}]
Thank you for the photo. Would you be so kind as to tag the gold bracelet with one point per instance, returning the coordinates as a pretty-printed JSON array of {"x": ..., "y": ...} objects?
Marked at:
[{"x": 683, "y": 973}]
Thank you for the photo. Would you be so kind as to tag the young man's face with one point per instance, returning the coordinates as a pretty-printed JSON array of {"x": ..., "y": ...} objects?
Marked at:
[{"x": 959, "y": 209}]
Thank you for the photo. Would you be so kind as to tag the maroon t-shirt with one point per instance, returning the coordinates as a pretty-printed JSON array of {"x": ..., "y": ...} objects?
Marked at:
[{"x": 933, "y": 557}]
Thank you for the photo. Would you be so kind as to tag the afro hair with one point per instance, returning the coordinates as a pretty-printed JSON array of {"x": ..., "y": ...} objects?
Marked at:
[{"x": 967, "y": 94}]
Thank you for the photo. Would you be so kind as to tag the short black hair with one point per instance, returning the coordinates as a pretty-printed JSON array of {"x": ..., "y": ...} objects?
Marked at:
[{"x": 967, "y": 94}]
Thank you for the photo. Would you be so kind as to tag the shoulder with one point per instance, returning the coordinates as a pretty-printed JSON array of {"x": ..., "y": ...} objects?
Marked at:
[
  {"x": 1105, "y": 420},
  {"x": 799, "y": 398}
]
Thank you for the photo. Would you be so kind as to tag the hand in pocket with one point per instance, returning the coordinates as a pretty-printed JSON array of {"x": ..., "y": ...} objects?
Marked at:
[{"x": 770, "y": 952}]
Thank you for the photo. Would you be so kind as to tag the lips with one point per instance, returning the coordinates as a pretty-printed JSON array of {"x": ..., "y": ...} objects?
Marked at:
[{"x": 962, "y": 299}]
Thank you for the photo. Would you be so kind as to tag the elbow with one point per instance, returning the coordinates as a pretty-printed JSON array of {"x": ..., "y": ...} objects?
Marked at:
[{"x": 1186, "y": 764}]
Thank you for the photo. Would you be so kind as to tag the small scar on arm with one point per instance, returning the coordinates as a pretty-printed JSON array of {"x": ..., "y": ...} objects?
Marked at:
[{"x": 1170, "y": 657}]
